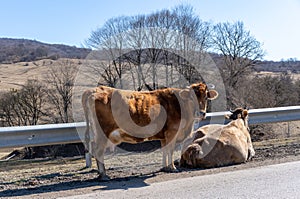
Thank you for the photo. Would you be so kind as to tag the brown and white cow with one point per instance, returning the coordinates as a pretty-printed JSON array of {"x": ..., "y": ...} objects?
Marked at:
[
  {"x": 115, "y": 116},
  {"x": 219, "y": 145}
]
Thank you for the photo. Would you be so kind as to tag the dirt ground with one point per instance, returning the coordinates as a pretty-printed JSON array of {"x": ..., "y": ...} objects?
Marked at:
[{"x": 46, "y": 178}]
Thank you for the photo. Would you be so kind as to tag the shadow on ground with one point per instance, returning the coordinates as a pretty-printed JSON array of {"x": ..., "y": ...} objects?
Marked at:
[{"x": 115, "y": 183}]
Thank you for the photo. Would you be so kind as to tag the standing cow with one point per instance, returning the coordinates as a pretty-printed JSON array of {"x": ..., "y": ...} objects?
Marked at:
[
  {"x": 219, "y": 145},
  {"x": 115, "y": 116}
]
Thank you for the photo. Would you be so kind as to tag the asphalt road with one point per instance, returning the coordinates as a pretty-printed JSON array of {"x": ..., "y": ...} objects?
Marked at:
[{"x": 274, "y": 181}]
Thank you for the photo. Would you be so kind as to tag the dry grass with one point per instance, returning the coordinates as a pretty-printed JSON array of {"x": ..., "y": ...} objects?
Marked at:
[
  {"x": 283, "y": 130},
  {"x": 295, "y": 76},
  {"x": 13, "y": 76},
  {"x": 4, "y": 154}
]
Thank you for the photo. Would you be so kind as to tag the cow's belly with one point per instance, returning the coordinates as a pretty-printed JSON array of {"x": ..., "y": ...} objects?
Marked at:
[{"x": 118, "y": 136}]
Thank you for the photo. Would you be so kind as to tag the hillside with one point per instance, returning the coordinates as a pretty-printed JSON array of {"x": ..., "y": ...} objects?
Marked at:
[
  {"x": 24, "y": 50},
  {"x": 13, "y": 76},
  {"x": 282, "y": 66}
]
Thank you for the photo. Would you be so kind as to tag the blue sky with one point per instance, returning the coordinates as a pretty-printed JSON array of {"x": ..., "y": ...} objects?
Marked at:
[{"x": 275, "y": 23}]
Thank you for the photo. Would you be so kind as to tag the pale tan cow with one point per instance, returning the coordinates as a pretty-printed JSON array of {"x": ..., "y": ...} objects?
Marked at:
[
  {"x": 115, "y": 116},
  {"x": 220, "y": 145}
]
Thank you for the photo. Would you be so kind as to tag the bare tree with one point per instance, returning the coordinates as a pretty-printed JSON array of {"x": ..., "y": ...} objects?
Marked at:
[
  {"x": 239, "y": 48},
  {"x": 60, "y": 80},
  {"x": 139, "y": 44},
  {"x": 297, "y": 86},
  {"x": 110, "y": 40},
  {"x": 8, "y": 106},
  {"x": 25, "y": 106},
  {"x": 240, "y": 51}
]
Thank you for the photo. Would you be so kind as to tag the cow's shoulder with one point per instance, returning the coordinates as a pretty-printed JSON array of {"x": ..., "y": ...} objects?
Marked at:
[{"x": 170, "y": 97}]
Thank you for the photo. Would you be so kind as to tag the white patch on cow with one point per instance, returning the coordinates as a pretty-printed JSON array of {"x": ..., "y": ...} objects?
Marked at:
[{"x": 115, "y": 137}]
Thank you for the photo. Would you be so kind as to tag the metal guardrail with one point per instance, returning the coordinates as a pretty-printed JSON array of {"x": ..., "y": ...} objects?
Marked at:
[
  {"x": 41, "y": 135},
  {"x": 51, "y": 134},
  {"x": 259, "y": 116}
]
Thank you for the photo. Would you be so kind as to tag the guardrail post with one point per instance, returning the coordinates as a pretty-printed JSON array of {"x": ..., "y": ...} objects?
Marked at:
[{"x": 88, "y": 160}]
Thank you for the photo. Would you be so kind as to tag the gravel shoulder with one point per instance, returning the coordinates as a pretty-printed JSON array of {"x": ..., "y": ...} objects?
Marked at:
[{"x": 46, "y": 178}]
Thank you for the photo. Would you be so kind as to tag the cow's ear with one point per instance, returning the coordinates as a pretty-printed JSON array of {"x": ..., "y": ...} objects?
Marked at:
[
  {"x": 212, "y": 94},
  {"x": 245, "y": 113},
  {"x": 184, "y": 94}
]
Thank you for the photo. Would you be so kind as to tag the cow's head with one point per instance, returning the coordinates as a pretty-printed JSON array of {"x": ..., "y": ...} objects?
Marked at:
[
  {"x": 202, "y": 94},
  {"x": 239, "y": 113}
]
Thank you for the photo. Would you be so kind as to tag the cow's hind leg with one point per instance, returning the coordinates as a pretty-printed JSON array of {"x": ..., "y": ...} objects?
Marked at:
[
  {"x": 100, "y": 140},
  {"x": 99, "y": 150},
  {"x": 100, "y": 164}
]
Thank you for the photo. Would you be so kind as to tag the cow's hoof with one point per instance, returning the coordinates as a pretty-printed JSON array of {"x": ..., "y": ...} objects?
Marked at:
[
  {"x": 103, "y": 178},
  {"x": 169, "y": 170},
  {"x": 177, "y": 162}
]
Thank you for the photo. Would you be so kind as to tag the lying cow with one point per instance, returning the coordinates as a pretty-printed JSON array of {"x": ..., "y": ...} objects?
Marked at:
[
  {"x": 115, "y": 116},
  {"x": 220, "y": 145}
]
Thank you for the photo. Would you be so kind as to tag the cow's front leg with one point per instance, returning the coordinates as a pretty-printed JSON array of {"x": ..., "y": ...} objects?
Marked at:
[
  {"x": 251, "y": 152},
  {"x": 101, "y": 170},
  {"x": 171, "y": 165},
  {"x": 168, "y": 161},
  {"x": 164, "y": 156}
]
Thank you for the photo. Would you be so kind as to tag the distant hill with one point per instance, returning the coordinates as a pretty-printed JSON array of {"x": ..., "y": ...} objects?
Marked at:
[
  {"x": 24, "y": 50},
  {"x": 289, "y": 65},
  {"x": 279, "y": 66}
]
